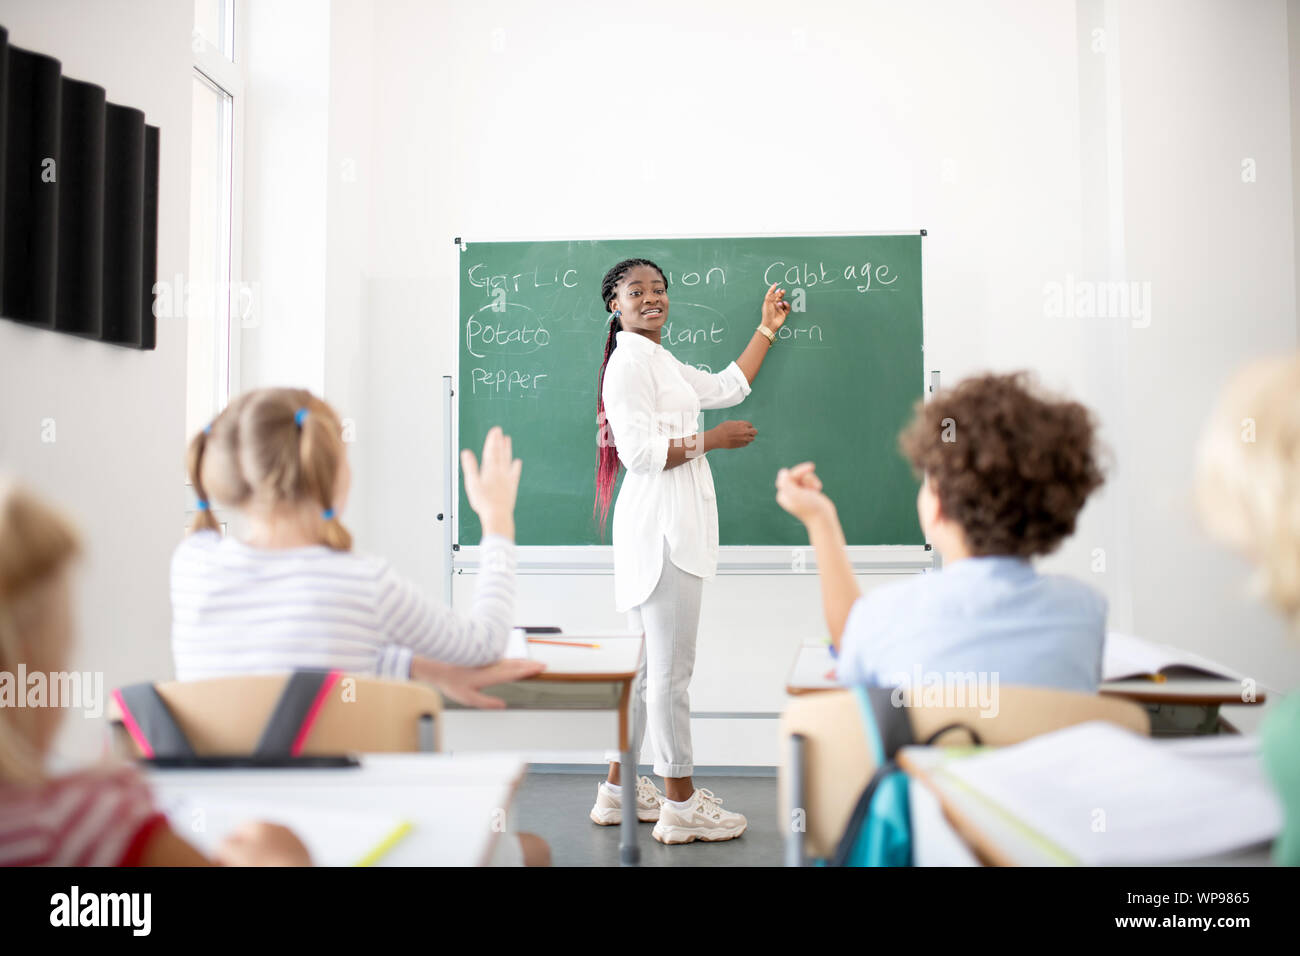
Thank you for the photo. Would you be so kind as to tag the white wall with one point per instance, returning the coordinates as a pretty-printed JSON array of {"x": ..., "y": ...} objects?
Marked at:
[
  {"x": 1219, "y": 254},
  {"x": 1028, "y": 156},
  {"x": 1293, "y": 62},
  {"x": 116, "y": 464}
]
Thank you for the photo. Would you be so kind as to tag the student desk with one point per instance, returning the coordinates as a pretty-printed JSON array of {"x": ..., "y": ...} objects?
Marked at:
[
  {"x": 585, "y": 678},
  {"x": 996, "y": 840},
  {"x": 1183, "y": 705},
  {"x": 455, "y": 803},
  {"x": 1176, "y": 706}
]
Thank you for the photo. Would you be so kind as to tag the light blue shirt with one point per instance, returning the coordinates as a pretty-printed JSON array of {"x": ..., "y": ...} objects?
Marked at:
[{"x": 990, "y": 615}]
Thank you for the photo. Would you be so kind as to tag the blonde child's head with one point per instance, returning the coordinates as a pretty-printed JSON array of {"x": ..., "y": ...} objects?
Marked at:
[
  {"x": 274, "y": 452},
  {"x": 1248, "y": 475},
  {"x": 37, "y": 548}
]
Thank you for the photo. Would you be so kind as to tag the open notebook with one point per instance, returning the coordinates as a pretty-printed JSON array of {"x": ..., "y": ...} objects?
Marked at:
[
  {"x": 1098, "y": 794},
  {"x": 333, "y": 837},
  {"x": 1128, "y": 656}
]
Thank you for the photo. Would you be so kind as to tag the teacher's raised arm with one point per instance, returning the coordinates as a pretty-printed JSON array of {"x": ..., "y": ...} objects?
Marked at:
[{"x": 775, "y": 310}]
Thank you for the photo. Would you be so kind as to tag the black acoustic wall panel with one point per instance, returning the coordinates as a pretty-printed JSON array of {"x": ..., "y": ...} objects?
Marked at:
[
  {"x": 123, "y": 296},
  {"x": 78, "y": 205},
  {"x": 31, "y": 206},
  {"x": 144, "y": 324}
]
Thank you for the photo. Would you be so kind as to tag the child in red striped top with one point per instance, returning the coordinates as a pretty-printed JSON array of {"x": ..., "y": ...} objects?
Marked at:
[{"x": 98, "y": 817}]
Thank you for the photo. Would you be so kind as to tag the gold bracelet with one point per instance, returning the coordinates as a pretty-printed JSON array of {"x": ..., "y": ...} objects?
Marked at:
[{"x": 771, "y": 338}]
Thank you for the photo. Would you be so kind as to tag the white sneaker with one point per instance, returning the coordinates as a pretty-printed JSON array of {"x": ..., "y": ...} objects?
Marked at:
[
  {"x": 609, "y": 805},
  {"x": 702, "y": 819}
]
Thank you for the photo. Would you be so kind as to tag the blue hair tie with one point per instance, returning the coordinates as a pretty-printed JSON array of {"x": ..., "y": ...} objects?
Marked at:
[
  {"x": 207, "y": 429},
  {"x": 299, "y": 417},
  {"x": 203, "y": 505},
  {"x": 328, "y": 514}
]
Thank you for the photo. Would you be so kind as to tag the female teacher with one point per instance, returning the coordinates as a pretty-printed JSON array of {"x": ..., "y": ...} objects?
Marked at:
[{"x": 665, "y": 529}]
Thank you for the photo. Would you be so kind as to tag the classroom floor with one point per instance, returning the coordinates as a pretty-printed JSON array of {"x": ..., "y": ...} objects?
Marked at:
[{"x": 555, "y": 804}]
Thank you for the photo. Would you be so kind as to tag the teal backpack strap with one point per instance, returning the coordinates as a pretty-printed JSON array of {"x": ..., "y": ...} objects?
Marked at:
[{"x": 880, "y": 835}]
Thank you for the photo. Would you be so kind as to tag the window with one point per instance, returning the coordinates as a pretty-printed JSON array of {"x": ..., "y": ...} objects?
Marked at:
[
  {"x": 214, "y": 25},
  {"x": 215, "y": 302},
  {"x": 207, "y": 298}
]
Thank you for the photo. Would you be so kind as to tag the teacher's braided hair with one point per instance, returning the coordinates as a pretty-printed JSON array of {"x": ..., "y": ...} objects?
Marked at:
[{"x": 607, "y": 464}]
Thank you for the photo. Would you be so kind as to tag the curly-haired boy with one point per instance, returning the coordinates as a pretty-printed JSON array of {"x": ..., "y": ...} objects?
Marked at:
[{"x": 1005, "y": 471}]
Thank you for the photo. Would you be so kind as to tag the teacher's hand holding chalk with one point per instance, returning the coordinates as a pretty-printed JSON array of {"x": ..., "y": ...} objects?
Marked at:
[
  {"x": 773, "y": 313},
  {"x": 775, "y": 308}
]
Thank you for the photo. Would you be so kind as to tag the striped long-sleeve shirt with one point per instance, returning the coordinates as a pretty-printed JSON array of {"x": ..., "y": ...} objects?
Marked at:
[{"x": 243, "y": 610}]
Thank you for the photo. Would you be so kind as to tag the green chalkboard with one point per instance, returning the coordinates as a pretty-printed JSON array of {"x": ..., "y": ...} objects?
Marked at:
[{"x": 836, "y": 388}]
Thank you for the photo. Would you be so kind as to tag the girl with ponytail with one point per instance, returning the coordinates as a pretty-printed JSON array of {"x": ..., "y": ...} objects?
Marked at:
[
  {"x": 290, "y": 593},
  {"x": 665, "y": 531}
]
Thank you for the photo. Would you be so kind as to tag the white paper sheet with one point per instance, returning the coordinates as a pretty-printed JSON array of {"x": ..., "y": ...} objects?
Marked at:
[
  {"x": 1108, "y": 796},
  {"x": 332, "y": 837}
]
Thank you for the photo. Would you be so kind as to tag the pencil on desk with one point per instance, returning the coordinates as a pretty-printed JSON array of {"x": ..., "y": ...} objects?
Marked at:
[
  {"x": 390, "y": 841},
  {"x": 540, "y": 640}
]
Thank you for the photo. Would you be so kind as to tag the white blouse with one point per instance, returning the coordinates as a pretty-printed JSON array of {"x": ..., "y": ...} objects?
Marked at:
[{"x": 651, "y": 397}]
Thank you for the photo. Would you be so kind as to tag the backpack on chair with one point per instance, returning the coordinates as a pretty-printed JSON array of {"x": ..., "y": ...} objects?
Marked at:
[{"x": 879, "y": 832}]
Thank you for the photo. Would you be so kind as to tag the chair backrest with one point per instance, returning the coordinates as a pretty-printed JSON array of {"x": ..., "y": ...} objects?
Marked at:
[
  {"x": 225, "y": 716},
  {"x": 837, "y": 762}
]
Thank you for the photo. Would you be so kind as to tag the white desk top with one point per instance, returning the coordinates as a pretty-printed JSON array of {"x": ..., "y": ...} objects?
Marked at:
[
  {"x": 1181, "y": 690},
  {"x": 618, "y": 655},
  {"x": 456, "y": 804},
  {"x": 813, "y": 665},
  {"x": 813, "y": 669}
]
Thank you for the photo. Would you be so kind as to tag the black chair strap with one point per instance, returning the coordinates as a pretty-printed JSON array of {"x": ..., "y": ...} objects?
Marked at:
[
  {"x": 294, "y": 713},
  {"x": 150, "y": 723}
]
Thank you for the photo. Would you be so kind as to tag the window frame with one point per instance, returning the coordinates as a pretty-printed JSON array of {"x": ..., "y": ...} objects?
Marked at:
[{"x": 228, "y": 75}]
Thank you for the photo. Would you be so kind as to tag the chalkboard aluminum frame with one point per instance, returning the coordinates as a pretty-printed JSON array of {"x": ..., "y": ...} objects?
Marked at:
[{"x": 599, "y": 559}]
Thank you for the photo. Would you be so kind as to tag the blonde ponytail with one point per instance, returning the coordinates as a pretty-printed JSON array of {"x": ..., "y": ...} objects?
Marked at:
[
  {"x": 320, "y": 453},
  {"x": 213, "y": 467},
  {"x": 204, "y": 519}
]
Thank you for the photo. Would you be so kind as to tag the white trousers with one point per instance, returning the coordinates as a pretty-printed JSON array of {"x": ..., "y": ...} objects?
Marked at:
[{"x": 661, "y": 701}]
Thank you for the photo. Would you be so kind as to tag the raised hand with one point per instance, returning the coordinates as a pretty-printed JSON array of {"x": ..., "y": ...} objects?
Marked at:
[
  {"x": 493, "y": 486},
  {"x": 799, "y": 491}
]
